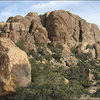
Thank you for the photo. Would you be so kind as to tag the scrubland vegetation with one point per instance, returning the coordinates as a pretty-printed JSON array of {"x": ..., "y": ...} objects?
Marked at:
[{"x": 48, "y": 80}]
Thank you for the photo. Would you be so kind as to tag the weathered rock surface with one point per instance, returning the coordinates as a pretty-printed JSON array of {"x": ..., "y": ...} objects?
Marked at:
[
  {"x": 14, "y": 66},
  {"x": 72, "y": 31},
  {"x": 18, "y": 26},
  {"x": 1, "y": 26},
  {"x": 28, "y": 28},
  {"x": 57, "y": 26}
]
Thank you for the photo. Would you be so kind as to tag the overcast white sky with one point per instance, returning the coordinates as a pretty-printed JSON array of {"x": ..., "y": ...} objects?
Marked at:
[{"x": 88, "y": 10}]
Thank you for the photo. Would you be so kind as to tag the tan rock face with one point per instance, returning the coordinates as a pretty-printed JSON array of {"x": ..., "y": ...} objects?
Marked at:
[
  {"x": 38, "y": 31},
  {"x": 28, "y": 28},
  {"x": 26, "y": 22},
  {"x": 72, "y": 31},
  {"x": 61, "y": 25},
  {"x": 14, "y": 66},
  {"x": 29, "y": 43},
  {"x": 17, "y": 27},
  {"x": 58, "y": 26},
  {"x": 14, "y": 30},
  {"x": 1, "y": 26},
  {"x": 41, "y": 35},
  {"x": 44, "y": 18}
]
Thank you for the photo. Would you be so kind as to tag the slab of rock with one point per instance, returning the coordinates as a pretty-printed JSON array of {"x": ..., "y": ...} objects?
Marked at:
[{"x": 15, "y": 68}]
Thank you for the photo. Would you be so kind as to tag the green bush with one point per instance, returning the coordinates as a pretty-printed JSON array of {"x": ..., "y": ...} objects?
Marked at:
[
  {"x": 74, "y": 50},
  {"x": 82, "y": 56},
  {"x": 35, "y": 55},
  {"x": 56, "y": 50},
  {"x": 42, "y": 50},
  {"x": 89, "y": 47},
  {"x": 57, "y": 56},
  {"x": 96, "y": 75},
  {"x": 20, "y": 44},
  {"x": 59, "y": 46},
  {"x": 98, "y": 82},
  {"x": 97, "y": 94},
  {"x": 79, "y": 74}
]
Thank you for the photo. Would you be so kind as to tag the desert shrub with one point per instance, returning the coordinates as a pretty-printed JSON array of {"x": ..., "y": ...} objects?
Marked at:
[
  {"x": 35, "y": 55},
  {"x": 81, "y": 56},
  {"x": 57, "y": 56},
  {"x": 20, "y": 44},
  {"x": 83, "y": 65},
  {"x": 96, "y": 75},
  {"x": 79, "y": 74},
  {"x": 31, "y": 52},
  {"x": 45, "y": 89},
  {"x": 98, "y": 82},
  {"x": 48, "y": 57},
  {"x": 76, "y": 88},
  {"x": 59, "y": 46},
  {"x": 74, "y": 50},
  {"x": 97, "y": 94},
  {"x": 50, "y": 46},
  {"x": 36, "y": 68},
  {"x": 56, "y": 50},
  {"x": 42, "y": 50},
  {"x": 89, "y": 47}
]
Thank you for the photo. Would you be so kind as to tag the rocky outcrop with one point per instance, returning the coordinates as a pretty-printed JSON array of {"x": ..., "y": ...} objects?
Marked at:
[
  {"x": 17, "y": 27},
  {"x": 38, "y": 31},
  {"x": 57, "y": 26},
  {"x": 14, "y": 66},
  {"x": 44, "y": 18},
  {"x": 1, "y": 26},
  {"x": 72, "y": 31},
  {"x": 28, "y": 28}
]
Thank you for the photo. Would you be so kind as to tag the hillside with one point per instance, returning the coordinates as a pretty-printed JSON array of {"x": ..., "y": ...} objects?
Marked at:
[{"x": 63, "y": 51}]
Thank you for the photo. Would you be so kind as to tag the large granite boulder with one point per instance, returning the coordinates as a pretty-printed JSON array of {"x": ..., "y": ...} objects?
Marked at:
[{"x": 15, "y": 68}]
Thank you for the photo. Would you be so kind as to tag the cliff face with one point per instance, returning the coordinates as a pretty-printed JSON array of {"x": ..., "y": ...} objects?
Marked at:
[
  {"x": 57, "y": 26},
  {"x": 72, "y": 31}
]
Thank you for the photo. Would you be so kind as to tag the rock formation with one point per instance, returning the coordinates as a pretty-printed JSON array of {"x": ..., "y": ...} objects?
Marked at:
[
  {"x": 18, "y": 26},
  {"x": 14, "y": 66},
  {"x": 56, "y": 26},
  {"x": 28, "y": 27},
  {"x": 1, "y": 26},
  {"x": 72, "y": 31},
  {"x": 59, "y": 26}
]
